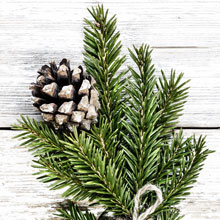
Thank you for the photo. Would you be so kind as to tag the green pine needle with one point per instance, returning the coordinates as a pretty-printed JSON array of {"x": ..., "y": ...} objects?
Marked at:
[{"x": 72, "y": 212}]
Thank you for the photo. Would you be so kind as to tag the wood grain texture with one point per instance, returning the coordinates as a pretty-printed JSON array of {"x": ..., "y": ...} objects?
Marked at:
[
  {"x": 185, "y": 35},
  {"x": 204, "y": 201},
  {"x": 22, "y": 197}
]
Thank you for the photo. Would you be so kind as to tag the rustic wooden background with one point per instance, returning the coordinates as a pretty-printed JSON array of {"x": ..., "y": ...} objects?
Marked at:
[{"x": 185, "y": 35}]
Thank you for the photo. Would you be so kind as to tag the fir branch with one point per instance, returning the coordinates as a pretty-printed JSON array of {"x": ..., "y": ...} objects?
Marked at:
[
  {"x": 72, "y": 212},
  {"x": 142, "y": 144},
  {"x": 182, "y": 173},
  {"x": 53, "y": 165},
  {"x": 171, "y": 154},
  {"x": 57, "y": 170},
  {"x": 104, "y": 139},
  {"x": 39, "y": 138},
  {"x": 170, "y": 214},
  {"x": 101, "y": 177},
  {"x": 102, "y": 61},
  {"x": 172, "y": 96},
  {"x": 148, "y": 123}
]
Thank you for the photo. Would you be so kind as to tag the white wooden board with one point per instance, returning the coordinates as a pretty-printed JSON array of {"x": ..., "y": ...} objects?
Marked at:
[
  {"x": 185, "y": 35},
  {"x": 22, "y": 197}
]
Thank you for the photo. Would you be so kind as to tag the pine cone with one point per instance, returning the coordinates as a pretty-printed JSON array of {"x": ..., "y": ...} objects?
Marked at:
[{"x": 66, "y": 97}]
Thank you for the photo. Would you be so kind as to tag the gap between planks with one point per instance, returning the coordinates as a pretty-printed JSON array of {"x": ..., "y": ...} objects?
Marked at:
[{"x": 177, "y": 128}]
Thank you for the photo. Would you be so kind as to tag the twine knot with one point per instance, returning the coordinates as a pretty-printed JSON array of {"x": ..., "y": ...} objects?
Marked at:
[{"x": 151, "y": 209}]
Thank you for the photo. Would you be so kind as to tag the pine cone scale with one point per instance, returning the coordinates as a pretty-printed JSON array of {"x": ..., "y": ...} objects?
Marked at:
[
  {"x": 67, "y": 92},
  {"x": 67, "y": 108},
  {"x": 50, "y": 89},
  {"x": 48, "y": 108}
]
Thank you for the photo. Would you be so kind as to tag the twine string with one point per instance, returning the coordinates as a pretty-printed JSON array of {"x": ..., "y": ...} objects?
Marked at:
[{"x": 151, "y": 209}]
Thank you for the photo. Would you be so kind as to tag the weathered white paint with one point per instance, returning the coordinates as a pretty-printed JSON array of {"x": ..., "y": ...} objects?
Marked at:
[
  {"x": 204, "y": 201},
  {"x": 185, "y": 35},
  {"x": 22, "y": 197}
]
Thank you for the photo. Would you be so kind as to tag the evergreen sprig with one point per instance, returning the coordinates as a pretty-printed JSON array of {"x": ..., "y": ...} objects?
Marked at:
[
  {"x": 171, "y": 214},
  {"x": 172, "y": 95},
  {"x": 72, "y": 212},
  {"x": 143, "y": 143},
  {"x": 49, "y": 157},
  {"x": 100, "y": 176},
  {"x": 134, "y": 141},
  {"x": 150, "y": 116},
  {"x": 102, "y": 60}
]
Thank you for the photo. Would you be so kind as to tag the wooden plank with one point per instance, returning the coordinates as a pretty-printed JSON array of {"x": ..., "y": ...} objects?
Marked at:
[
  {"x": 185, "y": 36},
  {"x": 204, "y": 203},
  {"x": 201, "y": 110},
  {"x": 54, "y": 23},
  {"x": 22, "y": 197}
]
